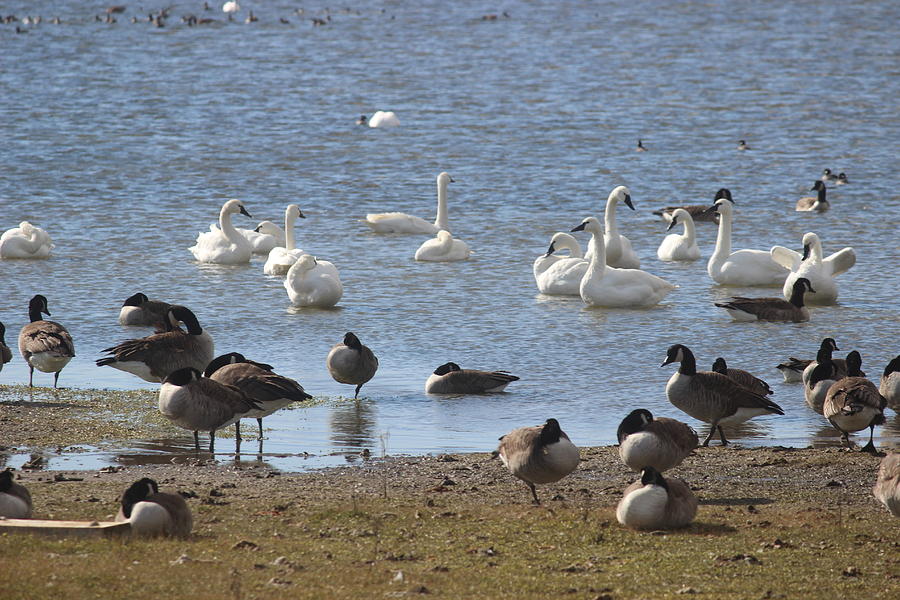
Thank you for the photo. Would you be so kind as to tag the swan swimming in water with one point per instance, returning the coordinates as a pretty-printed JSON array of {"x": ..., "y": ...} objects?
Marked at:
[
  {"x": 266, "y": 236},
  {"x": 384, "y": 119},
  {"x": 397, "y": 222},
  {"x": 25, "y": 241},
  {"x": 282, "y": 258},
  {"x": 443, "y": 248},
  {"x": 679, "y": 246},
  {"x": 603, "y": 285},
  {"x": 559, "y": 275},
  {"x": 811, "y": 265},
  {"x": 312, "y": 283},
  {"x": 223, "y": 245},
  {"x": 618, "y": 247}
]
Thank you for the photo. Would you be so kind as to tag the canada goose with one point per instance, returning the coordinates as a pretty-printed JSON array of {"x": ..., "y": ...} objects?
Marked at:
[
  {"x": 15, "y": 500},
  {"x": 827, "y": 175},
  {"x": 745, "y": 378},
  {"x": 140, "y": 310},
  {"x": 153, "y": 357},
  {"x": 450, "y": 379},
  {"x": 362, "y": 120},
  {"x": 45, "y": 345},
  {"x": 818, "y": 203},
  {"x": 792, "y": 369},
  {"x": 257, "y": 381},
  {"x": 887, "y": 486},
  {"x": 712, "y": 397},
  {"x": 818, "y": 376},
  {"x": 661, "y": 443},
  {"x": 770, "y": 309},
  {"x": 890, "y": 384},
  {"x": 197, "y": 403},
  {"x": 153, "y": 513},
  {"x": 842, "y": 179},
  {"x": 541, "y": 454},
  {"x": 351, "y": 362},
  {"x": 742, "y": 145},
  {"x": 654, "y": 502},
  {"x": 698, "y": 212},
  {"x": 5, "y": 352},
  {"x": 640, "y": 146},
  {"x": 854, "y": 403}
]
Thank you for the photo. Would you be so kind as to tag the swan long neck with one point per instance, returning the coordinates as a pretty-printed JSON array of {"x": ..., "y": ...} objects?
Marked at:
[
  {"x": 227, "y": 228},
  {"x": 610, "y": 216},
  {"x": 597, "y": 266},
  {"x": 723, "y": 239},
  {"x": 569, "y": 243},
  {"x": 690, "y": 233},
  {"x": 289, "y": 241},
  {"x": 441, "y": 221}
]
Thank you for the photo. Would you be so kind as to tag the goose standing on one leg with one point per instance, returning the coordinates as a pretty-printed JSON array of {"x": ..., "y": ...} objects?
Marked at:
[
  {"x": 661, "y": 443},
  {"x": 853, "y": 403},
  {"x": 45, "y": 345},
  {"x": 15, "y": 500},
  {"x": 745, "y": 378},
  {"x": 542, "y": 454},
  {"x": 5, "y": 352},
  {"x": 223, "y": 245},
  {"x": 618, "y": 247},
  {"x": 771, "y": 309},
  {"x": 449, "y": 378},
  {"x": 712, "y": 397},
  {"x": 887, "y": 486},
  {"x": 153, "y": 513},
  {"x": 889, "y": 386},
  {"x": 558, "y": 274},
  {"x": 811, "y": 265},
  {"x": 655, "y": 502},
  {"x": 397, "y": 222},
  {"x": 281, "y": 259},
  {"x": 351, "y": 362},
  {"x": 679, "y": 246},
  {"x": 140, "y": 310}
]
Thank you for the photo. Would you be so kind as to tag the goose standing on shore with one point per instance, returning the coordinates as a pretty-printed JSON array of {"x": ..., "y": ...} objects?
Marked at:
[
  {"x": 654, "y": 502},
  {"x": 223, "y": 245},
  {"x": 712, "y": 397},
  {"x": 818, "y": 376},
  {"x": 153, "y": 513},
  {"x": 887, "y": 486},
  {"x": 854, "y": 404},
  {"x": 280, "y": 259},
  {"x": 679, "y": 246},
  {"x": 449, "y": 378},
  {"x": 140, "y": 310},
  {"x": 559, "y": 275},
  {"x": 889, "y": 386},
  {"x": 351, "y": 362},
  {"x": 811, "y": 265},
  {"x": 397, "y": 222},
  {"x": 619, "y": 253},
  {"x": 661, "y": 443},
  {"x": 817, "y": 203},
  {"x": 15, "y": 499},
  {"x": 744, "y": 378},
  {"x": 45, "y": 345},
  {"x": 25, "y": 241},
  {"x": 538, "y": 455},
  {"x": 770, "y": 309}
]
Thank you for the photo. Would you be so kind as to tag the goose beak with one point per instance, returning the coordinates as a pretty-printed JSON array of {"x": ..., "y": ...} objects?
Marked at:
[
  {"x": 628, "y": 201},
  {"x": 668, "y": 361}
]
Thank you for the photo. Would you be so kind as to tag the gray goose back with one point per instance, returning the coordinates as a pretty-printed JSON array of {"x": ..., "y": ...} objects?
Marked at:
[
  {"x": 15, "y": 499},
  {"x": 745, "y": 378},
  {"x": 45, "y": 345},
  {"x": 449, "y": 378},
  {"x": 661, "y": 443},
  {"x": 540, "y": 454},
  {"x": 140, "y": 310},
  {"x": 887, "y": 486},
  {"x": 654, "y": 502},
  {"x": 351, "y": 362},
  {"x": 154, "y": 513}
]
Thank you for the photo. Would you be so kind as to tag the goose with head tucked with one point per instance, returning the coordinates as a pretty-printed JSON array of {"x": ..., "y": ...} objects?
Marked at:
[
  {"x": 224, "y": 245},
  {"x": 770, "y": 309},
  {"x": 138, "y": 309},
  {"x": 449, "y": 378},
  {"x": 610, "y": 287},
  {"x": 25, "y": 241},
  {"x": 792, "y": 369},
  {"x": 661, "y": 443},
  {"x": 813, "y": 266},
  {"x": 443, "y": 248},
  {"x": 282, "y": 258},
  {"x": 351, "y": 362},
  {"x": 314, "y": 283},
  {"x": 618, "y": 247},
  {"x": 817, "y": 203},
  {"x": 153, "y": 357},
  {"x": 654, "y": 502},
  {"x": 541, "y": 454},
  {"x": 699, "y": 212},
  {"x": 742, "y": 267},
  {"x": 45, "y": 345},
  {"x": 745, "y": 378},
  {"x": 560, "y": 275},
  {"x": 679, "y": 246},
  {"x": 712, "y": 397},
  {"x": 887, "y": 485},
  {"x": 889, "y": 386},
  {"x": 15, "y": 499},
  {"x": 153, "y": 513},
  {"x": 853, "y": 403},
  {"x": 819, "y": 376},
  {"x": 5, "y": 352},
  {"x": 397, "y": 222}
]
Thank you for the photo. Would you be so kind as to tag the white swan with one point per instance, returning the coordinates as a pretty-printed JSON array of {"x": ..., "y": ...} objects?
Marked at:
[
  {"x": 743, "y": 267},
  {"x": 313, "y": 283},
  {"x": 443, "y": 248},
  {"x": 558, "y": 274},
  {"x": 603, "y": 285},
  {"x": 282, "y": 258},
  {"x": 397, "y": 222},
  {"x": 25, "y": 241},
  {"x": 383, "y": 118},
  {"x": 223, "y": 245},
  {"x": 679, "y": 247},
  {"x": 820, "y": 272},
  {"x": 618, "y": 247},
  {"x": 266, "y": 236}
]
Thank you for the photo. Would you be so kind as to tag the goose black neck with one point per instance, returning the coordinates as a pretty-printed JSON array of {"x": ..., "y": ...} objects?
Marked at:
[
  {"x": 797, "y": 294},
  {"x": 688, "y": 362},
  {"x": 892, "y": 366},
  {"x": 824, "y": 354},
  {"x": 822, "y": 193},
  {"x": 550, "y": 432},
  {"x": 5, "y": 481},
  {"x": 138, "y": 491}
]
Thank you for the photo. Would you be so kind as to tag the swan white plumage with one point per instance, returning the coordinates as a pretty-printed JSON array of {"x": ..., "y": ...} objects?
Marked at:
[
  {"x": 282, "y": 258},
  {"x": 266, "y": 236},
  {"x": 443, "y": 248},
  {"x": 383, "y": 118},
  {"x": 560, "y": 275},
  {"x": 223, "y": 245},
  {"x": 397, "y": 222},
  {"x": 742, "y": 267},
  {"x": 311, "y": 282},
  {"x": 25, "y": 241},
  {"x": 231, "y": 7},
  {"x": 818, "y": 270},
  {"x": 679, "y": 246},
  {"x": 607, "y": 286},
  {"x": 618, "y": 247}
]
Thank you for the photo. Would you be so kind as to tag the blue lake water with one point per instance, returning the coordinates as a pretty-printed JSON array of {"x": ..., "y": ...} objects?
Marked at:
[{"x": 123, "y": 140}]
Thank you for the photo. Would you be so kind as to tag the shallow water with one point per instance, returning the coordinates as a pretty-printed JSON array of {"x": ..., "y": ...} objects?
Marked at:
[{"x": 124, "y": 140}]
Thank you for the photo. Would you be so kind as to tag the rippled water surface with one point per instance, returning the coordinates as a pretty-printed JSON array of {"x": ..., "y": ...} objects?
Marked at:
[{"x": 123, "y": 140}]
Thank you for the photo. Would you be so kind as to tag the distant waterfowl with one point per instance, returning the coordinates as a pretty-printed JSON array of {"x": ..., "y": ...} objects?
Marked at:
[
  {"x": 153, "y": 357},
  {"x": 5, "y": 352},
  {"x": 699, "y": 213},
  {"x": 616, "y": 288},
  {"x": 654, "y": 502},
  {"x": 198, "y": 403},
  {"x": 742, "y": 267},
  {"x": 362, "y": 120},
  {"x": 15, "y": 500},
  {"x": 744, "y": 378},
  {"x": 818, "y": 270},
  {"x": 257, "y": 380},
  {"x": 770, "y": 309},
  {"x": 619, "y": 253},
  {"x": 890, "y": 384},
  {"x": 282, "y": 258},
  {"x": 383, "y": 119},
  {"x": 224, "y": 244},
  {"x": 443, "y": 248},
  {"x": 397, "y": 222},
  {"x": 45, "y": 345},
  {"x": 842, "y": 179},
  {"x": 854, "y": 404},
  {"x": 449, "y": 378},
  {"x": 313, "y": 283},
  {"x": 557, "y": 274},
  {"x": 742, "y": 145},
  {"x": 640, "y": 146},
  {"x": 351, "y": 362},
  {"x": 661, "y": 443},
  {"x": 231, "y": 7},
  {"x": 679, "y": 246},
  {"x": 25, "y": 241},
  {"x": 792, "y": 369},
  {"x": 818, "y": 203},
  {"x": 539, "y": 455},
  {"x": 140, "y": 310},
  {"x": 827, "y": 176},
  {"x": 712, "y": 397},
  {"x": 153, "y": 513},
  {"x": 887, "y": 486}
]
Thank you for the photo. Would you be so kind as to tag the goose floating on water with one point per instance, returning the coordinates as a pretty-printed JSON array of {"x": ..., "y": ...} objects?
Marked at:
[
  {"x": 449, "y": 378},
  {"x": 138, "y": 309},
  {"x": 818, "y": 203},
  {"x": 538, "y": 455},
  {"x": 770, "y": 309}
]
